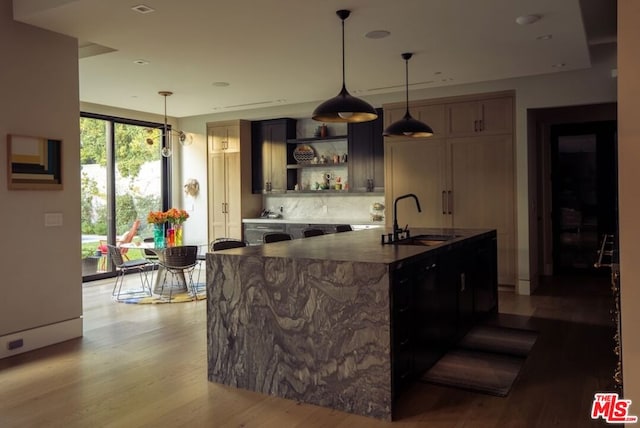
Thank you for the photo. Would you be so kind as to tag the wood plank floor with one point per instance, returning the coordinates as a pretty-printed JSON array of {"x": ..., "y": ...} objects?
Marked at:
[{"x": 145, "y": 366}]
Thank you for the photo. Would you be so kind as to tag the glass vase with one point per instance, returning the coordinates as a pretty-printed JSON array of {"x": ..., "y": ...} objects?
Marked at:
[
  {"x": 158, "y": 235},
  {"x": 178, "y": 235},
  {"x": 171, "y": 236}
]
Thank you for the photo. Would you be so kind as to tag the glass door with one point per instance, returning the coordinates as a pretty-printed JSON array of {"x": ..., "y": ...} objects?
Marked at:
[
  {"x": 123, "y": 177},
  {"x": 584, "y": 178}
]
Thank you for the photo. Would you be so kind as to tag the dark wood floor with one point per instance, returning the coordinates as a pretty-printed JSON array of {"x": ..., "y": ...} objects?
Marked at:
[{"x": 144, "y": 366}]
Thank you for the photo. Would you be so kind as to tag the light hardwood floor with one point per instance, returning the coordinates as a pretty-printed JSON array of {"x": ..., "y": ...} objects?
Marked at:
[{"x": 145, "y": 366}]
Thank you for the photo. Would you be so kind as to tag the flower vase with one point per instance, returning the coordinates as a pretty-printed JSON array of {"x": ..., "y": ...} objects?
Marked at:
[
  {"x": 171, "y": 236},
  {"x": 158, "y": 235},
  {"x": 178, "y": 234}
]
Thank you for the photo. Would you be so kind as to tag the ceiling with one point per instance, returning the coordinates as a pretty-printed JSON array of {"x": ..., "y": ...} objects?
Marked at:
[{"x": 276, "y": 52}]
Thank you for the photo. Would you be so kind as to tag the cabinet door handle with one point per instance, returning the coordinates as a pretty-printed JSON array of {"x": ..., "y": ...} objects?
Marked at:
[
  {"x": 463, "y": 284},
  {"x": 450, "y": 202},
  {"x": 444, "y": 202},
  {"x": 481, "y": 123},
  {"x": 475, "y": 126}
]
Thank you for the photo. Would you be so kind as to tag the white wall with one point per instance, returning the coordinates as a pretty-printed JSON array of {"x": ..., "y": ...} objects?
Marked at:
[
  {"x": 629, "y": 203},
  {"x": 41, "y": 276}
]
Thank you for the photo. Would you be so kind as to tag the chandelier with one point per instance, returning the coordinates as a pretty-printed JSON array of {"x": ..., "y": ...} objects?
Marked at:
[{"x": 168, "y": 133}]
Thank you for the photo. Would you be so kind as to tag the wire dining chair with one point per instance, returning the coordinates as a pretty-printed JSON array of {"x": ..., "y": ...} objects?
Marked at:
[{"x": 176, "y": 266}]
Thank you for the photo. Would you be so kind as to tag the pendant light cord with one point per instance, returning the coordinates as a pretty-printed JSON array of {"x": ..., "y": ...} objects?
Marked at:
[
  {"x": 343, "y": 72},
  {"x": 406, "y": 74},
  {"x": 167, "y": 136}
]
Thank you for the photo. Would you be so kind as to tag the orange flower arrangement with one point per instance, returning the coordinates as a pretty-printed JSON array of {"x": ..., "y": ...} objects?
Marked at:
[
  {"x": 156, "y": 217},
  {"x": 177, "y": 216}
]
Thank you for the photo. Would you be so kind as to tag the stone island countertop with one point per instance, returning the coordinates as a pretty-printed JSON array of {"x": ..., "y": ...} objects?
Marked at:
[
  {"x": 357, "y": 246},
  {"x": 311, "y": 319}
]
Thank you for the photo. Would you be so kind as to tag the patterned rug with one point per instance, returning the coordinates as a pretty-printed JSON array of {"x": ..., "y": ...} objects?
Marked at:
[
  {"x": 487, "y": 360},
  {"x": 182, "y": 297}
]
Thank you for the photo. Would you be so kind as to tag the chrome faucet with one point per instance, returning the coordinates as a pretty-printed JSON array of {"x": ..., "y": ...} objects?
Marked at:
[{"x": 396, "y": 229}]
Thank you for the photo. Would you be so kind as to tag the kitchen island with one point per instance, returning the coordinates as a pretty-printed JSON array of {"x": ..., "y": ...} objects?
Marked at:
[{"x": 341, "y": 320}]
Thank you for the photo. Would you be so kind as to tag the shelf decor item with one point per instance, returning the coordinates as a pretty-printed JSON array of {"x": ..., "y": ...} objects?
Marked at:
[{"x": 304, "y": 154}]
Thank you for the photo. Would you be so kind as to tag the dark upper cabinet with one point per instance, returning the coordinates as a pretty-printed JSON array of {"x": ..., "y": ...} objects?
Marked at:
[
  {"x": 366, "y": 155},
  {"x": 269, "y": 153}
]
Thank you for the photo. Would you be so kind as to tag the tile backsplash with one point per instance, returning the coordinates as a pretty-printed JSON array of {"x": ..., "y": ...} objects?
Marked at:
[{"x": 318, "y": 207}]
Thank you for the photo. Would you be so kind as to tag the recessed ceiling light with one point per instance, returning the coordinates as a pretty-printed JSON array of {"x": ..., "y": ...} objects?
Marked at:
[
  {"x": 220, "y": 84},
  {"x": 527, "y": 19},
  {"x": 545, "y": 37},
  {"x": 141, "y": 62},
  {"x": 377, "y": 34},
  {"x": 143, "y": 8}
]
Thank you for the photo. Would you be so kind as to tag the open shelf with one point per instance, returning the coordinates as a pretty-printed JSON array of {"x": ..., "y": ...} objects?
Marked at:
[
  {"x": 316, "y": 165},
  {"x": 316, "y": 139}
]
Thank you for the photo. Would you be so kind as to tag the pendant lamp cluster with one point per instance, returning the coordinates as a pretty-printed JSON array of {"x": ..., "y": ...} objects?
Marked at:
[
  {"x": 408, "y": 127},
  {"x": 346, "y": 108},
  {"x": 184, "y": 139}
]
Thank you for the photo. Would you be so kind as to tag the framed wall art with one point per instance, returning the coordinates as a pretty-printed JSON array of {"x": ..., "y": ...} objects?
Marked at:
[{"x": 34, "y": 163}]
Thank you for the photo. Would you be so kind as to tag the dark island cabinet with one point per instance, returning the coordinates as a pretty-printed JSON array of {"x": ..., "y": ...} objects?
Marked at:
[
  {"x": 484, "y": 277},
  {"x": 436, "y": 299},
  {"x": 366, "y": 155},
  {"x": 269, "y": 154}
]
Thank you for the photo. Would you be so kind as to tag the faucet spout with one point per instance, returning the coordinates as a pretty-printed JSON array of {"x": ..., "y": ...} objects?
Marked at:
[{"x": 396, "y": 229}]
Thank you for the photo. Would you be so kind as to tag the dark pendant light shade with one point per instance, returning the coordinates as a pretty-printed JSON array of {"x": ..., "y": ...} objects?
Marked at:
[
  {"x": 408, "y": 127},
  {"x": 344, "y": 107}
]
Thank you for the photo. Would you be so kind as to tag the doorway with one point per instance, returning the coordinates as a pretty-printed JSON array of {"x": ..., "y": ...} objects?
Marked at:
[
  {"x": 123, "y": 177},
  {"x": 584, "y": 192}
]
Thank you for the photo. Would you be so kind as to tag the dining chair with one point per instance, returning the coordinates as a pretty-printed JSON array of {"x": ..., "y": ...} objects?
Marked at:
[
  {"x": 217, "y": 245},
  {"x": 270, "y": 237},
  {"x": 227, "y": 243},
  {"x": 178, "y": 263},
  {"x": 125, "y": 266},
  {"x": 308, "y": 233},
  {"x": 343, "y": 228}
]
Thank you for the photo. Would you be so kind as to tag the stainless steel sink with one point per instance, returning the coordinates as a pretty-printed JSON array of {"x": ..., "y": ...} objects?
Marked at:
[{"x": 426, "y": 240}]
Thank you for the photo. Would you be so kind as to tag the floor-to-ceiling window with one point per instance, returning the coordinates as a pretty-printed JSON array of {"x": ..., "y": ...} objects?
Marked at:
[{"x": 123, "y": 177}]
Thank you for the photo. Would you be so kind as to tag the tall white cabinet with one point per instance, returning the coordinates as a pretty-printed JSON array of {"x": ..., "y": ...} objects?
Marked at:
[
  {"x": 229, "y": 178},
  {"x": 464, "y": 175}
]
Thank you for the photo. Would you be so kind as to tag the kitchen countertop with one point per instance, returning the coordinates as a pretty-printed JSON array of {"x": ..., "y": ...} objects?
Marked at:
[
  {"x": 357, "y": 246},
  {"x": 311, "y": 221}
]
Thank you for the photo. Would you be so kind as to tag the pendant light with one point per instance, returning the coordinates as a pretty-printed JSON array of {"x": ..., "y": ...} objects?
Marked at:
[
  {"x": 167, "y": 133},
  {"x": 344, "y": 107},
  {"x": 408, "y": 127}
]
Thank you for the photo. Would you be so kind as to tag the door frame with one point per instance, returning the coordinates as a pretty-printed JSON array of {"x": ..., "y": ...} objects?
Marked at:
[{"x": 539, "y": 122}]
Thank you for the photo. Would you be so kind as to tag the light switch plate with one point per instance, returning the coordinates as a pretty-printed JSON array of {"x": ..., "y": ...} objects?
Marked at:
[{"x": 52, "y": 219}]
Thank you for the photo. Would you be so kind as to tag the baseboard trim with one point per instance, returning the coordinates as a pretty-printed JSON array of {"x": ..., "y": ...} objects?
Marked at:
[{"x": 40, "y": 337}]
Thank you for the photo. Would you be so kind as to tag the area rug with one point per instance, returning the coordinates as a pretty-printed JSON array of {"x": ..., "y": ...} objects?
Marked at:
[
  {"x": 487, "y": 360},
  {"x": 143, "y": 299},
  {"x": 511, "y": 341}
]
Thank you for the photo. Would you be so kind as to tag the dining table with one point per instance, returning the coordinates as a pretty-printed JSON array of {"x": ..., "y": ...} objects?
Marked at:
[{"x": 160, "y": 281}]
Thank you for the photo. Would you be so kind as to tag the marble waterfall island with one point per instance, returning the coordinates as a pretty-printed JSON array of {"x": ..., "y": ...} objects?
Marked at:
[{"x": 311, "y": 319}]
